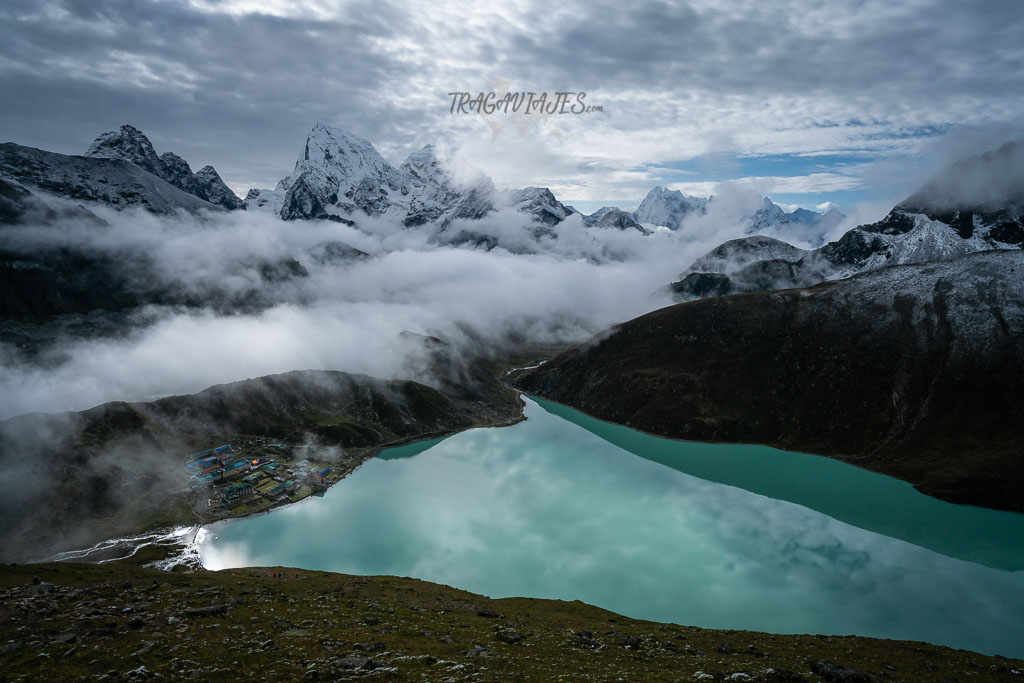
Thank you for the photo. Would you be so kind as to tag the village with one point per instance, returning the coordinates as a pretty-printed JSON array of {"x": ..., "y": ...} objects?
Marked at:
[{"x": 253, "y": 477}]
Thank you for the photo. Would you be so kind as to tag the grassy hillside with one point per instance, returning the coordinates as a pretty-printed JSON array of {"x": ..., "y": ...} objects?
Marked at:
[
  {"x": 114, "y": 622},
  {"x": 73, "y": 479}
]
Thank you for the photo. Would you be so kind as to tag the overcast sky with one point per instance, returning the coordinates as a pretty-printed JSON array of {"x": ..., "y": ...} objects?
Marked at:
[{"x": 849, "y": 101}]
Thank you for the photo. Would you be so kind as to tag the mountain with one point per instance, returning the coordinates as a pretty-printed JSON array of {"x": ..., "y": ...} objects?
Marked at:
[
  {"x": 914, "y": 371},
  {"x": 765, "y": 218},
  {"x": 19, "y": 205},
  {"x": 38, "y": 181},
  {"x": 748, "y": 264},
  {"x": 538, "y": 202},
  {"x": 337, "y": 169},
  {"x": 812, "y": 227},
  {"x": 671, "y": 209},
  {"x": 667, "y": 207},
  {"x": 618, "y": 219},
  {"x": 977, "y": 196},
  {"x": 338, "y": 173},
  {"x": 596, "y": 216},
  {"x": 431, "y": 191},
  {"x": 977, "y": 204},
  {"x": 117, "y": 468},
  {"x": 801, "y": 225},
  {"x": 130, "y": 144}
]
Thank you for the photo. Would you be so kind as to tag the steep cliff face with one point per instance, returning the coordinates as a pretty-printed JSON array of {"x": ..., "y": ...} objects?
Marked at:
[
  {"x": 914, "y": 371},
  {"x": 667, "y": 207},
  {"x": 338, "y": 173},
  {"x": 114, "y": 182},
  {"x": 130, "y": 144}
]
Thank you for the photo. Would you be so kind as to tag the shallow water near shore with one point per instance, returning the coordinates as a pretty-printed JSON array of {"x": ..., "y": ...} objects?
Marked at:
[{"x": 713, "y": 535}]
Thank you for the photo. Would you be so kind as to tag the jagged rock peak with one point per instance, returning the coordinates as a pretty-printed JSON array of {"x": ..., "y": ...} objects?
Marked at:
[
  {"x": 667, "y": 207},
  {"x": 213, "y": 189},
  {"x": 540, "y": 203},
  {"x": 424, "y": 156},
  {"x": 337, "y": 168},
  {"x": 128, "y": 143},
  {"x": 423, "y": 166},
  {"x": 619, "y": 219},
  {"x": 332, "y": 147}
]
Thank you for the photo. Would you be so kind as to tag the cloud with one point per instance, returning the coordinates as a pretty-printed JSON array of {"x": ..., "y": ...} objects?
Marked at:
[
  {"x": 237, "y": 83},
  {"x": 566, "y": 284}
]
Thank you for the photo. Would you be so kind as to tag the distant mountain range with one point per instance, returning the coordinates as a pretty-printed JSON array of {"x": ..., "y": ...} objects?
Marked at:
[
  {"x": 977, "y": 204},
  {"x": 337, "y": 176},
  {"x": 663, "y": 207},
  {"x": 974, "y": 205}
]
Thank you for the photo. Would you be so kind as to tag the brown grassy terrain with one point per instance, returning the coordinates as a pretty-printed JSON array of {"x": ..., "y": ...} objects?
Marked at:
[{"x": 117, "y": 622}]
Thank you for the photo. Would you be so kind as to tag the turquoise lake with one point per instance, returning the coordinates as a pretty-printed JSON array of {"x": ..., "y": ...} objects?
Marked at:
[{"x": 715, "y": 535}]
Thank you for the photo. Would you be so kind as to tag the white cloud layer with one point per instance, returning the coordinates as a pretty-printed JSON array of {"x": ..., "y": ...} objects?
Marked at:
[
  {"x": 237, "y": 83},
  {"x": 348, "y": 315}
]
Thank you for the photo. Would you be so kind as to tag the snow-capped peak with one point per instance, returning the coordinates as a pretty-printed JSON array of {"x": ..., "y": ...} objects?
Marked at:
[
  {"x": 422, "y": 166},
  {"x": 336, "y": 168},
  {"x": 338, "y": 154},
  {"x": 667, "y": 207},
  {"x": 129, "y": 144}
]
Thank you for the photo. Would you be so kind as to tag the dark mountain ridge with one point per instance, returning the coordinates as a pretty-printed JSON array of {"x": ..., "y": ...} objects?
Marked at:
[
  {"x": 115, "y": 182},
  {"x": 914, "y": 371},
  {"x": 117, "y": 468},
  {"x": 130, "y": 144}
]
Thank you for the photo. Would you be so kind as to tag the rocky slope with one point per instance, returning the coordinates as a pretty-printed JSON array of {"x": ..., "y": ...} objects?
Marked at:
[
  {"x": 117, "y": 468},
  {"x": 620, "y": 220},
  {"x": 975, "y": 205},
  {"x": 338, "y": 173},
  {"x": 913, "y": 371},
  {"x": 116, "y": 622},
  {"x": 667, "y": 207},
  {"x": 31, "y": 175},
  {"x": 130, "y": 144}
]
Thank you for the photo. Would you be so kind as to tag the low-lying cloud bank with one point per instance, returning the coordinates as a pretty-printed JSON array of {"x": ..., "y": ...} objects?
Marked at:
[{"x": 309, "y": 304}]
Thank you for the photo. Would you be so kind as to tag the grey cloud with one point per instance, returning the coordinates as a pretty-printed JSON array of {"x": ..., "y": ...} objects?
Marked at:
[
  {"x": 240, "y": 91},
  {"x": 925, "y": 49}
]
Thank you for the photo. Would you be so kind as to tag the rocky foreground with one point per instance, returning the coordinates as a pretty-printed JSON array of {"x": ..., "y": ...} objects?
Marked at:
[{"x": 81, "y": 622}]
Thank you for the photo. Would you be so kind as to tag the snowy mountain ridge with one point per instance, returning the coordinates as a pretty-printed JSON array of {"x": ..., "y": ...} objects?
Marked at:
[
  {"x": 663, "y": 207},
  {"x": 759, "y": 263},
  {"x": 339, "y": 174},
  {"x": 130, "y": 144}
]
